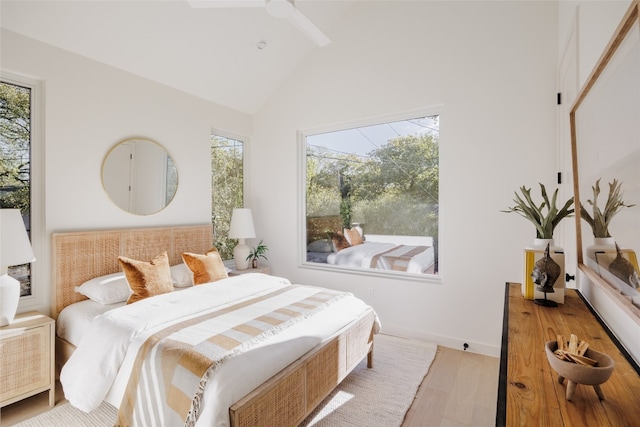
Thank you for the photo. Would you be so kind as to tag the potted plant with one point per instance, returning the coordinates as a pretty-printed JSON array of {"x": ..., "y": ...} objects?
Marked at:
[
  {"x": 601, "y": 220},
  {"x": 257, "y": 252},
  {"x": 545, "y": 216}
]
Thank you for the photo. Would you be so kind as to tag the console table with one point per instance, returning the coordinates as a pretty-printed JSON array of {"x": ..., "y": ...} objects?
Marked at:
[{"x": 529, "y": 392}]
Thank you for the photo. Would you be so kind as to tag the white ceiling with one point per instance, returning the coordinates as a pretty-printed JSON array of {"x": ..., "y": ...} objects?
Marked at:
[{"x": 211, "y": 53}]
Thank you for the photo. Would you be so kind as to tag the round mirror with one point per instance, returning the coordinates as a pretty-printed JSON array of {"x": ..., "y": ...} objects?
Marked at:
[{"x": 139, "y": 176}]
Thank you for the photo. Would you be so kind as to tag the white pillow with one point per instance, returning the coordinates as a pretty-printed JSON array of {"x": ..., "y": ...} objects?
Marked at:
[
  {"x": 320, "y": 246},
  {"x": 109, "y": 289},
  {"x": 181, "y": 276}
]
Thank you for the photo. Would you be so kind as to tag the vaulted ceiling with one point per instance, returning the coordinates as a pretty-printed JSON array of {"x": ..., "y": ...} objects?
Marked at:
[{"x": 212, "y": 53}]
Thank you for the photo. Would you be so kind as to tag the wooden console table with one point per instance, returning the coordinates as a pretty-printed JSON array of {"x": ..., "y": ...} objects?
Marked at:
[{"x": 529, "y": 392}]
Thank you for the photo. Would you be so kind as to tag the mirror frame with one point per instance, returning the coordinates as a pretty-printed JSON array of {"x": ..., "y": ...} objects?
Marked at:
[
  {"x": 629, "y": 21},
  {"x": 111, "y": 196}
]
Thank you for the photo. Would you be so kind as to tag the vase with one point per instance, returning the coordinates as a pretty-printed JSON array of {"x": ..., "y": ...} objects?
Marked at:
[
  {"x": 600, "y": 244},
  {"x": 9, "y": 298},
  {"x": 254, "y": 263},
  {"x": 532, "y": 254}
]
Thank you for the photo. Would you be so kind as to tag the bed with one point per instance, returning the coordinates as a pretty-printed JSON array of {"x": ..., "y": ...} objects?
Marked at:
[
  {"x": 386, "y": 256},
  {"x": 278, "y": 380}
]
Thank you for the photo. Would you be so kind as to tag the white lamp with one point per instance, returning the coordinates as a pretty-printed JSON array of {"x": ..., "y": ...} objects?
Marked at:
[
  {"x": 241, "y": 228},
  {"x": 15, "y": 249}
]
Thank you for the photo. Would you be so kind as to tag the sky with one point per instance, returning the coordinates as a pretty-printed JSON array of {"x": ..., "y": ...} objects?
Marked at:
[{"x": 362, "y": 140}]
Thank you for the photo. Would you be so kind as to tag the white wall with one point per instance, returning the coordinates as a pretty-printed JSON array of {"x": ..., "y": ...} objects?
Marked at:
[
  {"x": 492, "y": 66},
  {"x": 89, "y": 107}
]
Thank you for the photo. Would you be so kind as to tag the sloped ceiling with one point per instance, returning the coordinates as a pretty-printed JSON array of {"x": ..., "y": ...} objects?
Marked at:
[{"x": 211, "y": 53}]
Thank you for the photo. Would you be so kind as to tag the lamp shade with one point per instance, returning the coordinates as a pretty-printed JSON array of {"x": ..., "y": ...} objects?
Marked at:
[
  {"x": 241, "y": 226},
  {"x": 15, "y": 247}
]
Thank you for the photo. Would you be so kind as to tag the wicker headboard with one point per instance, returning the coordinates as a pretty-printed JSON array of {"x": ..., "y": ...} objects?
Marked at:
[{"x": 82, "y": 255}]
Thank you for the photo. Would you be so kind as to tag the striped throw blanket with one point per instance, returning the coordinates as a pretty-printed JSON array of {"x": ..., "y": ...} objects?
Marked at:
[
  {"x": 173, "y": 366},
  {"x": 397, "y": 258}
]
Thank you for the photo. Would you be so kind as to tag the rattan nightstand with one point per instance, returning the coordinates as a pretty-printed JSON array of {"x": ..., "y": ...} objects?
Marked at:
[{"x": 27, "y": 358}]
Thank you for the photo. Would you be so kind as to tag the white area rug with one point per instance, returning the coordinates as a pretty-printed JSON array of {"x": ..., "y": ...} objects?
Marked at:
[{"x": 377, "y": 397}]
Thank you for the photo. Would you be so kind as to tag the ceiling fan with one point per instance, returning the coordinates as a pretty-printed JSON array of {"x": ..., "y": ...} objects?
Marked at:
[{"x": 276, "y": 8}]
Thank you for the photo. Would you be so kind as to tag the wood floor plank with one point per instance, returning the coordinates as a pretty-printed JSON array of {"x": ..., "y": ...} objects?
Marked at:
[
  {"x": 444, "y": 369},
  {"x": 443, "y": 387},
  {"x": 487, "y": 391},
  {"x": 462, "y": 396}
]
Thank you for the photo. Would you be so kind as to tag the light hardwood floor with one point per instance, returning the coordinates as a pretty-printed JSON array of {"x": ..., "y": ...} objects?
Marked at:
[{"x": 460, "y": 389}]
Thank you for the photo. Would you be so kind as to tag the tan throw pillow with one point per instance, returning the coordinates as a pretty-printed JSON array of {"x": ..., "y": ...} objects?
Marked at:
[
  {"x": 206, "y": 268},
  {"x": 339, "y": 241},
  {"x": 147, "y": 278},
  {"x": 353, "y": 236}
]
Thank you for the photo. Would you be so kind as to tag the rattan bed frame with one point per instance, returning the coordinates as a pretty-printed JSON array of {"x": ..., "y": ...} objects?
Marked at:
[{"x": 285, "y": 399}]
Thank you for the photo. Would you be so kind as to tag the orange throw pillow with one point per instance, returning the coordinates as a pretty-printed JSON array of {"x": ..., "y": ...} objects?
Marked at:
[
  {"x": 206, "y": 268},
  {"x": 353, "y": 236},
  {"x": 339, "y": 241},
  {"x": 147, "y": 278}
]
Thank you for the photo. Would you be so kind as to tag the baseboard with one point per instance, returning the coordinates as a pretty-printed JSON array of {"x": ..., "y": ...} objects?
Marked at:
[{"x": 457, "y": 344}]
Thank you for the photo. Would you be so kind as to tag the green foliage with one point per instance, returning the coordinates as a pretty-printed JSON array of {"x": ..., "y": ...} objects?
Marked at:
[
  {"x": 381, "y": 216},
  {"x": 15, "y": 140},
  {"x": 545, "y": 222},
  {"x": 258, "y": 252},
  {"x": 600, "y": 221},
  {"x": 226, "y": 190},
  {"x": 395, "y": 188}
]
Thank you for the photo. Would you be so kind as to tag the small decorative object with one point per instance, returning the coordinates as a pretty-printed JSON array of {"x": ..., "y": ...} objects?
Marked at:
[
  {"x": 15, "y": 249},
  {"x": 241, "y": 228},
  {"x": 257, "y": 252},
  {"x": 600, "y": 220},
  {"x": 545, "y": 217},
  {"x": 624, "y": 270},
  {"x": 579, "y": 364},
  {"x": 545, "y": 274}
]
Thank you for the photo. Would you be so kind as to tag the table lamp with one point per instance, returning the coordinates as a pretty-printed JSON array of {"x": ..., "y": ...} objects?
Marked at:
[
  {"x": 15, "y": 249},
  {"x": 241, "y": 228}
]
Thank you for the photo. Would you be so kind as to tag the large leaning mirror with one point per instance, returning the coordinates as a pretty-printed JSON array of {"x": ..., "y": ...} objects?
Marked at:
[
  {"x": 139, "y": 176},
  {"x": 605, "y": 137}
]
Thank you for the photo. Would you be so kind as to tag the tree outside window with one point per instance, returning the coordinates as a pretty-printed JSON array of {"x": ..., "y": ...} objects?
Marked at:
[
  {"x": 227, "y": 189},
  {"x": 15, "y": 163}
]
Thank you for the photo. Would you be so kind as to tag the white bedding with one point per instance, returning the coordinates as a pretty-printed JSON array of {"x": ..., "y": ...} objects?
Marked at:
[
  {"x": 362, "y": 256},
  {"x": 99, "y": 368},
  {"x": 74, "y": 320}
]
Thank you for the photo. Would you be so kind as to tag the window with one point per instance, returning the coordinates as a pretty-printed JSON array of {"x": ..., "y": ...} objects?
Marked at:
[
  {"x": 380, "y": 179},
  {"x": 227, "y": 188},
  {"x": 15, "y": 163}
]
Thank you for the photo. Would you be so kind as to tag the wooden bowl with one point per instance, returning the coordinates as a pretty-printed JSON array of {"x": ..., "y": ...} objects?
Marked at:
[{"x": 580, "y": 374}]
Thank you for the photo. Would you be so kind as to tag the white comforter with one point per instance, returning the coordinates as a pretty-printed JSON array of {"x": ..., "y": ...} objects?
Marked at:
[
  {"x": 99, "y": 368},
  {"x": 362, "y": 256}
]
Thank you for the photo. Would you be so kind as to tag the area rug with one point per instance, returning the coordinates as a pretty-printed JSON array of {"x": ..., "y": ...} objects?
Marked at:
[{"x": 366, "y": 398}]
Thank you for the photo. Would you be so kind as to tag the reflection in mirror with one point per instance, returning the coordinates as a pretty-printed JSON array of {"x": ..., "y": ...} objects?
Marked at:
[
  {"x": 371, "y": 199},
  {"x": 139, "y": 176},
  {"x": 606, "y": 146}
]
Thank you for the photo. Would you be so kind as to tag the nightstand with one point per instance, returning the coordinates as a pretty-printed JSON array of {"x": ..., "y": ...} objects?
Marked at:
[
  {"x": 264, "y": 270},
  {"x": 27, "y": 358}
]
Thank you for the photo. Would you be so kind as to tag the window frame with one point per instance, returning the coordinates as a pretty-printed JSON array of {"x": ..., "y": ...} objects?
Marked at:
[
  {"x": 302, "y": 196},
  {"x": 39, "y": 285}
]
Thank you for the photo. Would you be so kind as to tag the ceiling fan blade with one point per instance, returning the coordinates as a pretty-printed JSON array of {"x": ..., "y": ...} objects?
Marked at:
[
  {"x": 305, "y": 25},
  {"x": 201, "y": 4}
]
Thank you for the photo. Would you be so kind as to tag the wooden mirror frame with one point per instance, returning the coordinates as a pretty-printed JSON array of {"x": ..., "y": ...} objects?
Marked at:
[
  {"x": 630, "y": 20},
  {"x": 145, "y": 194}
]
